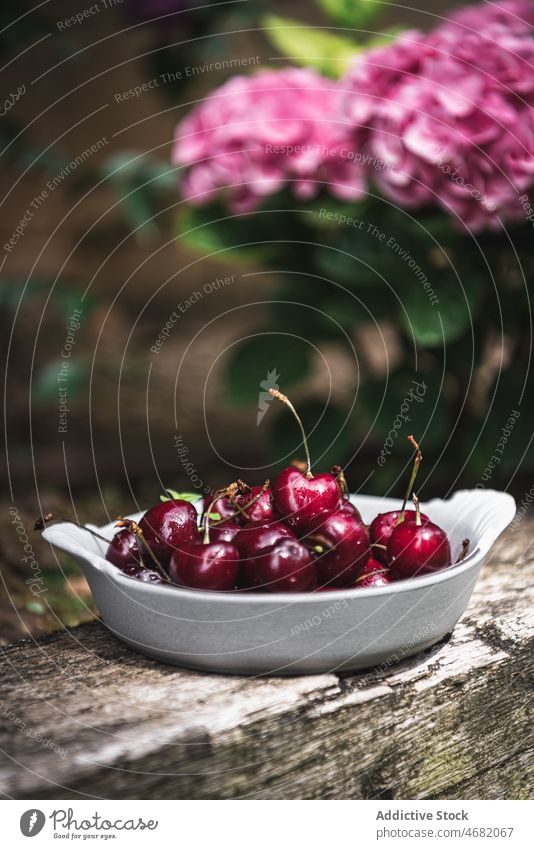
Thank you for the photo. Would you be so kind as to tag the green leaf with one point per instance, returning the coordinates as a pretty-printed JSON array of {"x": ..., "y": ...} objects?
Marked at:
[
  {"x": 329, "y": 213},
  {"x": 138, "y": 210},
  {"x": 46, "y": 386},
  {"x": 12, "y": 289},
  {"x": 436, "y": 324},
  {"x": 352, "y": 13},
  {"x": 267, "y": 357},
  {"x": 172, "y": 495},
  {"x": 214, "y": 517},
  {"x": 35, "y": 607},
  {"x": 139, "y": 181},
  {"x": 200, "y": 228},
  {"x": 67, "y": 299},
  {"x": 329, "y": 53}
]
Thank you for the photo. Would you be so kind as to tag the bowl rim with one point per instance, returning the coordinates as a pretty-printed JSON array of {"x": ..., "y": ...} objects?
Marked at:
[{"x": 474, "y": 558}]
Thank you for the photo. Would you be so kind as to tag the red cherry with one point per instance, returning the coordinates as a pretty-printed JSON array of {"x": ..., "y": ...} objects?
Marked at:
[
  {"x": 242, "y": 503},
  {"x": 300, "y": 500},
  {"x": 205, "y": 566},
  {"x": 287, "y": 566},
  {"x": 372, "y": 565},
  {"x": 127, "y": 550},
  {"x": 377, "y": 579},
  {"x": 123, "y": 550},
  {"x": 381, "y": 528},
  {"x": 261, "y": 510},
  {"x": 345, "y": 541},
  {"x": 417, "y": 549},
  {"x": 148, "y": 576},
  {"x": 348, "y": 507},
  {"x": 222, "y": 505},
  {"x": 297, "y": 496},
  {"x": 255, "y": 538},
  {"x": 225, "y": 532},
  {"x": 168, "y": 526},
  {"x": 374, "y": 575}
]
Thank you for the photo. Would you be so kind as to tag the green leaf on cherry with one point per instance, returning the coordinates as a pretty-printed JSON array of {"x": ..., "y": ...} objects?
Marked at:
[{"x": 172, "y": 495}]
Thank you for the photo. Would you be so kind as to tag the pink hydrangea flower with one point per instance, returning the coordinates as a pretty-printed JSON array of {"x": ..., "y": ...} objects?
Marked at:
[
  {"x": 257, "y": 134},
  {"x": 451, "y": 114},
  {"x": 441, "y": 119}
]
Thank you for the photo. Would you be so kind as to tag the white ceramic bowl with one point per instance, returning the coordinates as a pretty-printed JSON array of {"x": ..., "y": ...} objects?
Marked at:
[{"x": 301, "y": 633}]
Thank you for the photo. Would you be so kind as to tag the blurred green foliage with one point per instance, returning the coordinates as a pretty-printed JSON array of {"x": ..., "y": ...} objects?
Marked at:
[{"x": 466, "y": 336}]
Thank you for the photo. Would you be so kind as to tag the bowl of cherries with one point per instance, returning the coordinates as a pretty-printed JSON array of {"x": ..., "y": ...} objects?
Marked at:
[{"x": 297, "y": 577}]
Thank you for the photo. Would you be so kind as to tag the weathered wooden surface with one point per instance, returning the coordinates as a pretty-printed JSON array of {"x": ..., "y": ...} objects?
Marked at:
[{"x": 455, "y": 722}]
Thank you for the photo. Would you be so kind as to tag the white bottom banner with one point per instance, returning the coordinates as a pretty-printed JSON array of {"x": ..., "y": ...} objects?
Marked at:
[{"x": 260, "y": 824}]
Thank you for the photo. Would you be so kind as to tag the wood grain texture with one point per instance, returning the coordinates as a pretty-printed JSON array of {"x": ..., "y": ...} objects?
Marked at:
[{"x": 454, "y": 722}]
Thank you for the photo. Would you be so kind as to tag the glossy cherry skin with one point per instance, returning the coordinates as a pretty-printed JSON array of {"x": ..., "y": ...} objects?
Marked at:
[
  {"x": 226, "y": 532},
  {"x": 148, "y": 576},
  {"x": 374, "y": 575},
  {"x": 417, "y": 549},
  {"x": 169, "y": 525},
  {"x": 261, "y": 510},
  {"x": 223, "y": 506},
  {"x": 377, "y": 579},
  {"x": 205, "y": 566},
  {"x": 255, "y": 538},
  {"x": 285, "y": 567},
  {"x": 346, "y": 549},
  {"x": 381, "y": 528},
  {"x": 348, "y": 507},
  {"x": 124, "y": 550},
  {"x": 298, "y": 500}
]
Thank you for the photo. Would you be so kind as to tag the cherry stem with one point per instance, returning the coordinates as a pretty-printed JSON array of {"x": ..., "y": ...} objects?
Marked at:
[
  {"x": 134, "y": 528},
  {"x": 315, "y": 541},
  {"x": 371, "y": 574},
  {"x": 231, "y": 490},
  {"x": 46, "y": 518},
  {"x": 238, "y": 487},
  {"x": 416, "y": 464},
  {"x": 465, "y": 548},
  {"x": 243, "y": 488},
  {"x": 206, "y": 537},
  {"x": 339, "y": 475},
  {"x": 285, "y": 400},
  {"x": 243, "y": 510},
  {"x": 417, "y": 509},
  {"x": 379, "y": 545}
]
